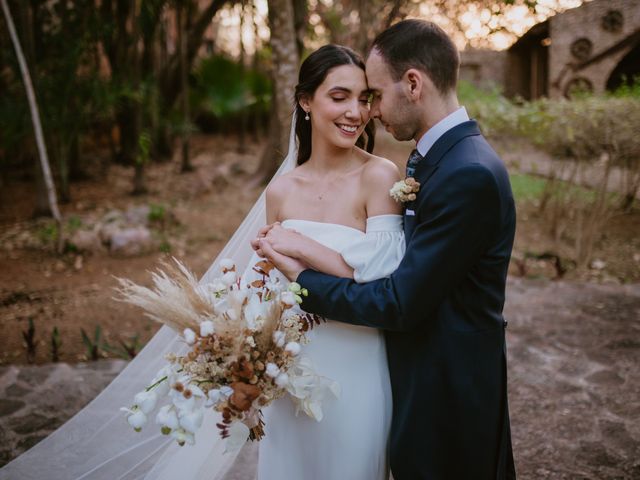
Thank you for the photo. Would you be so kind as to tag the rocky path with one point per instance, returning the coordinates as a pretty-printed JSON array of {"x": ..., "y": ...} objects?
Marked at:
[{"x": 574, "y": 352}]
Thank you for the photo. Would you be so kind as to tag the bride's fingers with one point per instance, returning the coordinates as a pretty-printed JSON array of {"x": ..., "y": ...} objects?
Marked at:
[
  {"x": 255, "y": 244},
  {"x": 270, "y": 251},
  {"x": 264, "y": 230}
]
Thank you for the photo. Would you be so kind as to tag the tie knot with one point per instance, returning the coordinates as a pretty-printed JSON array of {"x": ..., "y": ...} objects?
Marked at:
[{"x": 413, "y": 161}]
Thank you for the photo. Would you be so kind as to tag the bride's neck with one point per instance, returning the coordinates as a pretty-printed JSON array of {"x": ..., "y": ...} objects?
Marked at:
[{"x": 326, "y": 157}]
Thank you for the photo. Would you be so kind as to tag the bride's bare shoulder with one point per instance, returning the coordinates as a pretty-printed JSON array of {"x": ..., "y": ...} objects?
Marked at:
[
  {"x": 278, "y": 188},
  {"x": 379, "y": 170}
]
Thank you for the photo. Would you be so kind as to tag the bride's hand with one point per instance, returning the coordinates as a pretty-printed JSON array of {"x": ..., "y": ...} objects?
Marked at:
[
  {"x": 290, "y": 267},
  {"x": 285, "y": 241},
  {"x": 255, "y": 243}
]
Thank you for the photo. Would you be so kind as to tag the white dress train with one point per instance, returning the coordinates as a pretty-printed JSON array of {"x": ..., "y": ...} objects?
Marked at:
[{"x": 351, "y": 441}]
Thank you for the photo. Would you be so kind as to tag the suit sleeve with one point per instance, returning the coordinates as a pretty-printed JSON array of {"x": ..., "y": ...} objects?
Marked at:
[{"x": 457, "y": 219}]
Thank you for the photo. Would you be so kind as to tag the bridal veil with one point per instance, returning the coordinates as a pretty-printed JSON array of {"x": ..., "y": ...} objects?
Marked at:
[{"x": 98, "y": 443}]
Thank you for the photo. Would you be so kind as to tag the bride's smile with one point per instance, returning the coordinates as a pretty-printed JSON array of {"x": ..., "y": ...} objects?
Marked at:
[{"x": 339, "y": 108}]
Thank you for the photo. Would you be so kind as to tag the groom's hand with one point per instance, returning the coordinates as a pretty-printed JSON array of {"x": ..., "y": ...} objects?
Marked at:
[{"x": 290, "y": 267}]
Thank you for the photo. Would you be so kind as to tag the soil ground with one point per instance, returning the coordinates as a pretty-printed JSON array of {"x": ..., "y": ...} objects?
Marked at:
[{"x": 574, "y": 344}]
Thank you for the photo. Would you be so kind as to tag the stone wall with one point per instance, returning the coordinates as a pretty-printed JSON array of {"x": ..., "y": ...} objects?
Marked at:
[
  {"x": 586, "y": 22},
  {"x": 483, "y": 68}
]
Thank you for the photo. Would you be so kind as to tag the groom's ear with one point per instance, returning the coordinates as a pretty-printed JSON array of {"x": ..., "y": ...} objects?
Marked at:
[{"x": 414, "y": 83}]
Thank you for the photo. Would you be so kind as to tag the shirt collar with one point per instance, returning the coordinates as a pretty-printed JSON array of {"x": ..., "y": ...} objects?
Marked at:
[{"x": 434, "y": 133}]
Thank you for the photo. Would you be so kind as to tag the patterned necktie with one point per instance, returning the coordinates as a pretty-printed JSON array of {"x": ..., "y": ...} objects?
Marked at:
[{"x": 413, "y": 161}]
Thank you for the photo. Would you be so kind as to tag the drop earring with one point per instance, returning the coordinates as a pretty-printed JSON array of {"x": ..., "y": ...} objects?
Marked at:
[{"x": 306, "y": 117}]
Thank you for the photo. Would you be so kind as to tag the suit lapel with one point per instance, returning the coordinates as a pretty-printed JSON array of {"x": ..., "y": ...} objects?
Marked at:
[{"x": 428, "y": 166}]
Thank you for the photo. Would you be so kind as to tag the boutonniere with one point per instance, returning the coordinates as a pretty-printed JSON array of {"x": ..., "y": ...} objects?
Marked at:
[{"x": 405, "y": 190}]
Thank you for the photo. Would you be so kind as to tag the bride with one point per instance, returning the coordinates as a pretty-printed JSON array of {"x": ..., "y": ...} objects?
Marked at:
[{"x": 335, "y": 215}]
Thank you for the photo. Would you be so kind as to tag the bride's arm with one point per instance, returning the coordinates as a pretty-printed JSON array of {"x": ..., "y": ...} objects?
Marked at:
[
  {"x": 294, "y": 244},
  {"x": 314, "y": 254}
]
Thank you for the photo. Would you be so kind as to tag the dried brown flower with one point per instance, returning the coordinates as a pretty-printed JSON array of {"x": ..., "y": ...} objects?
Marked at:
[{"x": 243, "y": 395}]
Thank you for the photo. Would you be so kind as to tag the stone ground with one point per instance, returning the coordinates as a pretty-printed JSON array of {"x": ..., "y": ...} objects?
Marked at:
[{"x": 574, "y": 351}]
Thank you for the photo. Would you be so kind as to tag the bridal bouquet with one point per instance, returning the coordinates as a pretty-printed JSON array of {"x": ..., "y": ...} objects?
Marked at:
[{"x": 244, "y": 343}]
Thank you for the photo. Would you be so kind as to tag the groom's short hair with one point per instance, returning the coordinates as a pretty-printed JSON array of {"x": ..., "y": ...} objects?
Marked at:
[{"x": 423, "y": 45}]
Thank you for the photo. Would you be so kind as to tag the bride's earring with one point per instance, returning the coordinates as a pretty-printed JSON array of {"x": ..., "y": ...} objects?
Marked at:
[{"x": 306, "y": 117}]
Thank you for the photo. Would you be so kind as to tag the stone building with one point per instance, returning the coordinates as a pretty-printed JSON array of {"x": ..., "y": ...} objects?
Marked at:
[
  {"x": 483, "y": 68},
  {"x": 594, "y": 47}
]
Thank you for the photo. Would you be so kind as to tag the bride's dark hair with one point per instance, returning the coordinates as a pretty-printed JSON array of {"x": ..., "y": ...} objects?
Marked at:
[{"x": 313, "y": 71}]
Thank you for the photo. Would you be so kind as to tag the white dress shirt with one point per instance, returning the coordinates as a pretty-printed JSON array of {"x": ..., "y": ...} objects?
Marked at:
[{"x": 434, "y": 133}]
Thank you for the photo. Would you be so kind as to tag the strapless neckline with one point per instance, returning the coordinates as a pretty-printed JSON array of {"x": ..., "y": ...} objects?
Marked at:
[{"x": 316, "y": 222}]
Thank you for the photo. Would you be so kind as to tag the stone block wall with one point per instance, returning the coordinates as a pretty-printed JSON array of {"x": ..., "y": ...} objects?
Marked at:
[{"x": 586, "y": 22}]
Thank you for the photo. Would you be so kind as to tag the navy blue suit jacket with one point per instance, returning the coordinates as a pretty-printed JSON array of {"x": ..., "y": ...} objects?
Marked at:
[{"x": 442, "y": 315}]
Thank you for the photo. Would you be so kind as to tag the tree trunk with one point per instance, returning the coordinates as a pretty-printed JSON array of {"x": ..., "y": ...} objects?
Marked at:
[
  {"x": 35, "y": 117},
  {"x": 184, "y": 88},
  {"x": 242, "y": 133},
  {"x": 141, "y": 152},
  {"x": 285, "y": 70}
]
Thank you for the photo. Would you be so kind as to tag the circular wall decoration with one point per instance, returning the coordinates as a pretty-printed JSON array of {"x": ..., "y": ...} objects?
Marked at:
[
  {"x": 578, "y": 85},
  {"x": 582, "y": 48},
  {"x": 613, "y": 21}
]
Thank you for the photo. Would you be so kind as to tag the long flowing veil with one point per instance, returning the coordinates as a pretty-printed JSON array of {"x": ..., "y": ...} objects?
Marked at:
[{"x": 97, "y": 443}]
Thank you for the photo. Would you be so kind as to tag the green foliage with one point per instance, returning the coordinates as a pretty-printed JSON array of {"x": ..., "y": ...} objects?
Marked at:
[
  {"x": 222, "y": 88},
  {"x": 527, "y": 187},
  {"x": 628, "y": 89},
  {"x": 126, "y": 349},
  {"x": 495, "y": 114},
  {"x": 48, "y": 233},
  {"x": 93, "y": 345},
  {"x": 74, "y": 223},
  {"x": 587, "y": 137},
  {"x": 71, "y": 96},
  {"x": 157, "y": 212},
  {"x": 144, "y": 147},
  {"x": 29, "y": 337}
]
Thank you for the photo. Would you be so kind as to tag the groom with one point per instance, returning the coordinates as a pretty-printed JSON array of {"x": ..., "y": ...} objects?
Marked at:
[{"x": 441, "y": 310}]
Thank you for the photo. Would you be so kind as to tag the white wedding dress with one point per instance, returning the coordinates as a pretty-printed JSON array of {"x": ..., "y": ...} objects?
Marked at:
[
  {"x": 350, "y": 443},
  {"x": 351, "y": 440}
]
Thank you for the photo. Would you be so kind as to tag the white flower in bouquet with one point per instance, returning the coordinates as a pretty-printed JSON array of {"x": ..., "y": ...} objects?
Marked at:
[
  {"x": 185, "y": 396},
  {"x": 289, "y": 299},
  {"x": 227, "y": 264},
  {"x": 229, "y": 278},
  {"x": 255, "y": 312},
  {"x": 293, "y": 348},
  {"x": 207, "y": 328},
  {"x": 191, "y": 420},
  {"x": 136, "y": 417},
  {"x": 183, "y": 437},
  {"x": 244, "y": 345},
  {"x": 309, "y": 390},
  {"x": 189, "y": 336},
  {"x": 146, "y": 401},
  {"x": 282, "y": 380},
  {"x": 279, "y": 337},
  {"x": 272, "y": 370},
  {"x": 167, "y": 418}
]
